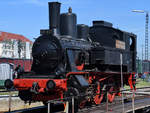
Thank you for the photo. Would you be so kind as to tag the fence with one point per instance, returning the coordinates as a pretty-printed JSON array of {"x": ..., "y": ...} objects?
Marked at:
[{"x": 70, "y": 101}]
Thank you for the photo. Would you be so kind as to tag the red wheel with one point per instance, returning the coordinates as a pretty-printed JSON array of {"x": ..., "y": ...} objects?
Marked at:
[
  {"x": 99, "y": 95},
  {"x": 111, "y": 94}
]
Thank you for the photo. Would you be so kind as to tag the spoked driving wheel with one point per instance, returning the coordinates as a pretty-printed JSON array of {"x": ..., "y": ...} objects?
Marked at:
[
  {"x": 111, "y": 90},
  {"x": 99, "y": 94},
  {"x": 111, "y": 94}
]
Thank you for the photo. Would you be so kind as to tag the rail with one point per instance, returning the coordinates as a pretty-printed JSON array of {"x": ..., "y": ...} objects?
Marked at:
[{"x": 70, "y": 101}]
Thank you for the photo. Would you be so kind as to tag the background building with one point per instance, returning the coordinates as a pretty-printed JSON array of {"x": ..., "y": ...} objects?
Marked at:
[
  {"x": 14, "y": 50},
  {"x": 143, "y": 66},
  {"x": 14, "y": 46}
]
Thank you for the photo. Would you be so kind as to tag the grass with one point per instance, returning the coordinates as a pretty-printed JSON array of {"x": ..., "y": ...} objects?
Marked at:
[
  {"x": 142, "y": 83},
  {"x": 139, "y": 84},
  {"x": 7, "y": 93}
]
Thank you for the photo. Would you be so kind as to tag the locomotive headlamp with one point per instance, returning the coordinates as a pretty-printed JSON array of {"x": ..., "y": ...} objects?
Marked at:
[
  {"x": 8, "y": 84},
  {"x": 50, "y": 84}
]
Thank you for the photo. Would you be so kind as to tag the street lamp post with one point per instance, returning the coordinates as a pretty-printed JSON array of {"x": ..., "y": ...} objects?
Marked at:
[
  {"x": 146, "y": 30},
  {"x": 142, "y": 61}
]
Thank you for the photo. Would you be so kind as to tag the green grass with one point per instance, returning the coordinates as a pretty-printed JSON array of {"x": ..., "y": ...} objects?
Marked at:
[
  {"x": 7, "y": 93},
  {"x": 141, "y": 83}
]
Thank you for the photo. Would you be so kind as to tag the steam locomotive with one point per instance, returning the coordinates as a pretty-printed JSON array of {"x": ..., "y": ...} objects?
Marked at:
[{"x": 71, "y": 59}]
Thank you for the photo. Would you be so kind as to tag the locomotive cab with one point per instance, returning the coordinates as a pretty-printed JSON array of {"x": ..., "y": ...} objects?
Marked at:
[{"x": 113, "y": 42}]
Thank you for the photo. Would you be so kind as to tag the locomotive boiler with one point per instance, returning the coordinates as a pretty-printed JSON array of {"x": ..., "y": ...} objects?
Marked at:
[{"x": 71, "y": 59}]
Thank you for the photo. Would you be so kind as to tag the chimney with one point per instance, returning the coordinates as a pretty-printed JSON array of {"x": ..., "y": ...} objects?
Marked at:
[{"x": 54, "y": 17}]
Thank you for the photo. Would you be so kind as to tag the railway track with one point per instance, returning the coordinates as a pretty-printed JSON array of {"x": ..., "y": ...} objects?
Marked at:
[
  {"x": 115, "y": 107},
  {"x": 141, "y": 100},
  {"x": 40, "y": 109}
]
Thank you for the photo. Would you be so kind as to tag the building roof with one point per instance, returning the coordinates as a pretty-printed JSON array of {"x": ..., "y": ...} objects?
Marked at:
[{"x": 6, "y": 36}]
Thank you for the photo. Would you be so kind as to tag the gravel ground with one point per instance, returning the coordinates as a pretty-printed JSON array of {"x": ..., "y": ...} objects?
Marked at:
[{"x": 16, "y": 104}]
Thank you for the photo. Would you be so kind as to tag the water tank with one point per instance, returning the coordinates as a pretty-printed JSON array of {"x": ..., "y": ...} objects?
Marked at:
[
  {"x": 82, "y": 31},
  {"x": 68, "y": 23}
]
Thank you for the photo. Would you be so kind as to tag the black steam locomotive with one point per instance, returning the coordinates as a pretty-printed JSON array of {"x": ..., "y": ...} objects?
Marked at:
[
  {"x": 67, "y": 45},
  {"x": 74, "y": 59}
]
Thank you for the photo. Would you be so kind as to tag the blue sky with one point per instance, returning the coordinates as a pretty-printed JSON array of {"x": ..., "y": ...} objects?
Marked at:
[{"x": 27, "y": 17}]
